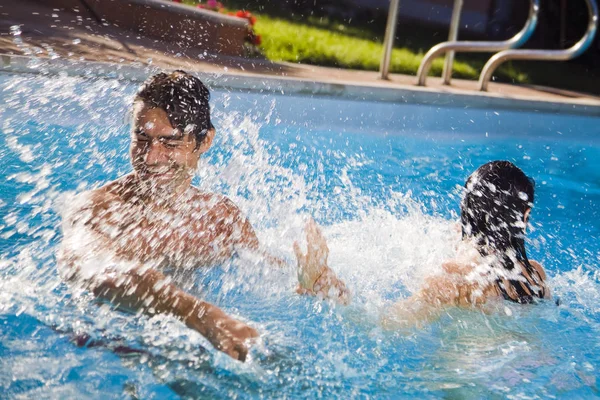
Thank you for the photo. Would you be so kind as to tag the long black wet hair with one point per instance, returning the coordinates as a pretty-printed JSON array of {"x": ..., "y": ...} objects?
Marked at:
[{"x": 497, "y": 196}]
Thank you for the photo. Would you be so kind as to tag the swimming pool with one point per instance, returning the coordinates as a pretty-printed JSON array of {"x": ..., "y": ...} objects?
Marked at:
[{"x": 382, "y": 178}]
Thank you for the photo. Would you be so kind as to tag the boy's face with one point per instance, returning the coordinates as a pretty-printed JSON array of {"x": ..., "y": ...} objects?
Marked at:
[{"x": 161, "y": 153}]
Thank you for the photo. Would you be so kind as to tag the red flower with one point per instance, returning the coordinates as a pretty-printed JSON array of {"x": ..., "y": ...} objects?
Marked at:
[
  {"x": 246, "y": 15},
  {"x": 176, "y": 1}
]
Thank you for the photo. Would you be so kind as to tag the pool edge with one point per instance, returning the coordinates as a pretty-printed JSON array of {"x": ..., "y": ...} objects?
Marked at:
[{"x": 301, "y": 87}]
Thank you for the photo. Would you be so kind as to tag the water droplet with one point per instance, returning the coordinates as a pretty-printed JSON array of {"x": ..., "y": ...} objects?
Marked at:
[
  {"x": 523, "y": 196},
  {"x": 15, "y": 30}
]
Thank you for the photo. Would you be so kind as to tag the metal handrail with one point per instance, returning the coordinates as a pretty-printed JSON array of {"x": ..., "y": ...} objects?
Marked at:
[
  {"x": 452, "y": 37},
  {"x": 480, "y": 46},
  {"x": 544, "y": 55},
  {"x": 388, "y": 40}
]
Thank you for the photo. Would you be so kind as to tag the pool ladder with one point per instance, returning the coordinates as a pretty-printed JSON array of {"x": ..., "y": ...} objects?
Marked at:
[
  {"x": 544, "y": 55},
  {"x": 506, "y": 49},
  {"x": 472, "y": 46}
]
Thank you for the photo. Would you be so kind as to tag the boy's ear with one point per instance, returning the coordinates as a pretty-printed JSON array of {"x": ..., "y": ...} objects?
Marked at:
[{"x": 207, "y": 142}]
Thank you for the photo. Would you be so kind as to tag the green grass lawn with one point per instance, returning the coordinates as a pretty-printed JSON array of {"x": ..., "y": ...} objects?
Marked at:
[{"x": 296, "y": 42}]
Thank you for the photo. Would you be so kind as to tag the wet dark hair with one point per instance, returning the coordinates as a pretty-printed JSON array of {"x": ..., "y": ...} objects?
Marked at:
[
  {"x": 183, "y": 97},
  {"x": 492, "y": 211}
]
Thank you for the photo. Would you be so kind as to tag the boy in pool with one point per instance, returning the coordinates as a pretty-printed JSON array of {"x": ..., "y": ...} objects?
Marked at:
[
  {"x": 491, "y": 261},
  {"x": 118, "y": 238}
]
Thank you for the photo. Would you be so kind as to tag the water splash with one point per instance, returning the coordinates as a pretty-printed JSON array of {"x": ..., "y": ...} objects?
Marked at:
[{"x": 66, "y": 135}]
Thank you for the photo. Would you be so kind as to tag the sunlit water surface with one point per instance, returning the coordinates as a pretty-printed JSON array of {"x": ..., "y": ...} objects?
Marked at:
[{"x": 382, "y": 179}]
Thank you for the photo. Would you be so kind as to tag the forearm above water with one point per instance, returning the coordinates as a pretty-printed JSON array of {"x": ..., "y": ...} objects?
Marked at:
[{"x": 151, "y": 292}]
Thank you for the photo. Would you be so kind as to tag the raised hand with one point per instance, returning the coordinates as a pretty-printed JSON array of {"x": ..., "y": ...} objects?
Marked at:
[
  {"x": 314, "y": 275},
  {"x": 313, "y": 264}
]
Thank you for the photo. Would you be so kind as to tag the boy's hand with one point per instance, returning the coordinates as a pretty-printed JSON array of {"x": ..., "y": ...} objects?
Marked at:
[
  {"x": 313, "y": 264},
  {"x": 228, "y": 335},
  {"x": 315, "y": 277}
]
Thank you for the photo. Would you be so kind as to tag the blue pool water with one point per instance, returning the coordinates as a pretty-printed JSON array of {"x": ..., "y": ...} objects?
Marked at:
[{"x": 382, "y": 179}]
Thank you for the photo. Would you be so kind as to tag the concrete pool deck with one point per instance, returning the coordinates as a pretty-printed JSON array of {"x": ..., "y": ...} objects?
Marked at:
[{"x": 56, "y": 41}]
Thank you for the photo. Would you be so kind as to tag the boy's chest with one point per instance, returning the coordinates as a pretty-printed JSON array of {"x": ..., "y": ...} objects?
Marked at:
[{"x": 171, "y": 238}]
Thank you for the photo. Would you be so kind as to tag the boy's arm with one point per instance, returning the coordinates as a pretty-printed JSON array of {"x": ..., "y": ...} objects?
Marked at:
[
  {"x": 150, "y": 291},
  {"x": 315, "y": 277},
  {"x": 249, "y": 241},
  {"x": 244, "y": 235}
]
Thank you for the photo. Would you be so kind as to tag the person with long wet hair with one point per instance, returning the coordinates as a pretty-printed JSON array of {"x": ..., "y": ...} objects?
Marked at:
[
  {"x": 491, "y": 260},
  {"x": 494, "y": 214}
]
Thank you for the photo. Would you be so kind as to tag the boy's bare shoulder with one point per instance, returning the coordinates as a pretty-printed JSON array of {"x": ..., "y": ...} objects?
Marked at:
[
  {"x": 216, "y": 204},
  {"x": 117, "y": 189},
  {"x": 84, "y": 206}
]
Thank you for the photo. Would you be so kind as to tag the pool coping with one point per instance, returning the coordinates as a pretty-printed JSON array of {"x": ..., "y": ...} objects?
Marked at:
[{"x": 259, "y": 83}]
